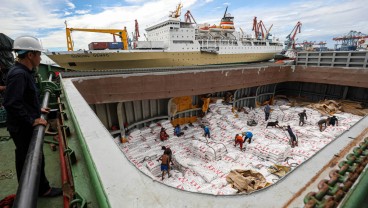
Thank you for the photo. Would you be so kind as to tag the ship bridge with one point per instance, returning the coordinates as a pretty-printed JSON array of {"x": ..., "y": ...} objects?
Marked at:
[{"x": 99, "y": 100}]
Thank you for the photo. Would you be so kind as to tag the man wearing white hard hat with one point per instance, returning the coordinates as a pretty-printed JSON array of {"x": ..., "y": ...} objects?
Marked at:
[{"x": 22, "y": 104}]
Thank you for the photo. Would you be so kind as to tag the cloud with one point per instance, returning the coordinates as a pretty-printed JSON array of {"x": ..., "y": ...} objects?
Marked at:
[
  {"x": 321, "y": 20},
  {"x": 134, "y": 1},
  {"x": 70, "y": 4},
  {"x": 82, "y": 11}
]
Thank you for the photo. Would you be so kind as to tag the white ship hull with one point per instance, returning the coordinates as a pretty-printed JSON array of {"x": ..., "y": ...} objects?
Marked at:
[
  {"x": 124, "y": 60},
  {"x": 173, "y": 43}
]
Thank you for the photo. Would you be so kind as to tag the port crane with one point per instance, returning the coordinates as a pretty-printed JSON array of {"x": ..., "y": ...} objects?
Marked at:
[
  {"x": 123, "y": 34},
  {"x": 349, "y": 41},
  {"x": 260, "y": 30},
  {"x": 290, "y": 39}
]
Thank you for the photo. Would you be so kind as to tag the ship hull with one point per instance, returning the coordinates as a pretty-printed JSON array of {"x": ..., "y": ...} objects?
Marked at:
[{"x": 127, "y": 60}]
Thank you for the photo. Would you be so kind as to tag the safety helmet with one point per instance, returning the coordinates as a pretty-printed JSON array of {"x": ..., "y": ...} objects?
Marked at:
[{"x": 27, "y": 43}]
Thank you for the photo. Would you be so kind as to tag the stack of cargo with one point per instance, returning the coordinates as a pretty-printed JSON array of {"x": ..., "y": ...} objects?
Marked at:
[
  {"x": 273, "y": 152},
  {"x": 216, "y": 151},
  {"x": 202, "y": 164},
  {"x": 154, "y": 167}
]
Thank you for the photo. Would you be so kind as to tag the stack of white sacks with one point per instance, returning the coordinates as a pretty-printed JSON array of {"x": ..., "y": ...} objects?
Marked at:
[{"x": 201, "y": 164}]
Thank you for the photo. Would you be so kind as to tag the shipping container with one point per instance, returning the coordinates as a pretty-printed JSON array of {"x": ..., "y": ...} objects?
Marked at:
[
  {"x": 98, "y": 45},
  {"x": 115, "y": 45}
]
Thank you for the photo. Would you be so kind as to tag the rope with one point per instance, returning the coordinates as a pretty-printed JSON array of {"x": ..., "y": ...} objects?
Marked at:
[
  {"x": 149, "y": 158},
  {"x": 6, "y": 174}
]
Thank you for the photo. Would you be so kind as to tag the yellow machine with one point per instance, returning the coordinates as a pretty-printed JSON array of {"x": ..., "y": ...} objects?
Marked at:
[{"x": 123, "y": 34}]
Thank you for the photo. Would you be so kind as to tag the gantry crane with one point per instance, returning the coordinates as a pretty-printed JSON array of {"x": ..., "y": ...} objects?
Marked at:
[
  {"x": 349, "y": 41},
  {"x": 123, "y": 34}
]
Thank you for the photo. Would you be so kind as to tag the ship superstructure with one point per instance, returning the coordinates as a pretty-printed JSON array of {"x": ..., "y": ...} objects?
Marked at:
[{"x": 173, "y": 43}]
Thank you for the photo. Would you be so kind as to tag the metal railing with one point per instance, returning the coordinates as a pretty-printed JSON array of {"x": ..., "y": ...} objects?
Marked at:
[{"x": 27, "y": 192}]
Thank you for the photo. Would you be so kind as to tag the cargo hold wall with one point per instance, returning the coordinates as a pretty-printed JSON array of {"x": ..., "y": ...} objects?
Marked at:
[{"x": 160, "y": 85}]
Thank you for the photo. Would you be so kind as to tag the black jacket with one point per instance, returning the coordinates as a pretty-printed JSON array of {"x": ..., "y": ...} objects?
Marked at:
[{"x": 21, "y": 99}]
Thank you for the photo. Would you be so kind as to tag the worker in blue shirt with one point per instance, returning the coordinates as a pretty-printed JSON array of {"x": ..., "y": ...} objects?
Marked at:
[
  {"x": 177, "y": 131},
  {"x": 207, "y": 132},
  {"x": 247, "y": 136}
]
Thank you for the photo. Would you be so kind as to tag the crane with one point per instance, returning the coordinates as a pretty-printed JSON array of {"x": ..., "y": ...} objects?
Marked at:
[
  {"x": 260, "y": 30},
  {"x": 350, "y": 40},
  {"x": 115, "y": 32},
  {"x": 189, "y": 17},
  {"x": 290, "y": 39},
  {"x": 255, "y": 27},
  {"x": 177, "y": 12},
  {"x": 136, "y": 34}
]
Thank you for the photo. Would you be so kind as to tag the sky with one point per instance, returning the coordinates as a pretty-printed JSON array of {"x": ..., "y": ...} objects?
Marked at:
[{"x": 321, "y": 19}]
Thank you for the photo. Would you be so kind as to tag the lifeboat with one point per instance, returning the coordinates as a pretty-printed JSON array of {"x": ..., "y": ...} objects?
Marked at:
[
  {"x": 204, "y": 28},
  {"x": 215, "y": 28}
]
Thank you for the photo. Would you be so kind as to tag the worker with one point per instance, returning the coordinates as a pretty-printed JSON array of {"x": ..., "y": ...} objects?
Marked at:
[
  {"x": 247, "y": 136},
  {"x": 21, "y": 101},
  {"x": 301, "y": 117},
  {"x": 334, "y": 121},
  {"x": 228, "y": 98},
  {"x": 293, "y": 139},
  {"x": 267, "y": 110},
  {"x": 168, "y": 151},
  {"x": 207, "y": 132},
  {"x": 165, "y": 164},
  {"x": 177, "y": 131},
  {"x": 239, "y": 140},
  {"x": 163, "y": 135},
  {"x": 323, "y": 121}
]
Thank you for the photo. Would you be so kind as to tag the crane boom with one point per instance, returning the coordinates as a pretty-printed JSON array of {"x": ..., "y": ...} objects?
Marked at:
[
  {"x": 177, "y": 12},
  {"x": 123, "y": 34},
  {"x": 290, "y": 39}
]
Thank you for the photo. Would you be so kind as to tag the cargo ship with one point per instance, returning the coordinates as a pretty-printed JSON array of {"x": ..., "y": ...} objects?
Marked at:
[{"x": 174, "y": 43}]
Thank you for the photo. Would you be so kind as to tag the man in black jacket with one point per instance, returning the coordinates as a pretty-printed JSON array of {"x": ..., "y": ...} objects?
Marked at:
[{"x": 22, "y": 104}]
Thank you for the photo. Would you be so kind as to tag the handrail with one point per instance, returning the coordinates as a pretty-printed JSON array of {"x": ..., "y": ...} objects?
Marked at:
[{"x": 27, "y": 192}]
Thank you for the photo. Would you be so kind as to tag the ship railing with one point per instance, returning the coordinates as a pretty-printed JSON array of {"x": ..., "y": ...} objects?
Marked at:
[{"x": 27, "y": 192}]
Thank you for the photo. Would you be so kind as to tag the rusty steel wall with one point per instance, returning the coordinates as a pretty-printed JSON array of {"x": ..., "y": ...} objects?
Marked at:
[{"x": 121, "y": 88}]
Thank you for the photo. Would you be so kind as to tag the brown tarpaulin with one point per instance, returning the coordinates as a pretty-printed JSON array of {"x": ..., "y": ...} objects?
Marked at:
[
  {"x": 330, "y": 107},
  {"x": 246, "y": 180}
]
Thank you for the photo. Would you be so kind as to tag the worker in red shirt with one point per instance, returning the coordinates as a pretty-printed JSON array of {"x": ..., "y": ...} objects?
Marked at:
[
  {"x": 163, "y": 135},
  {"x": 239, "y": 140}
]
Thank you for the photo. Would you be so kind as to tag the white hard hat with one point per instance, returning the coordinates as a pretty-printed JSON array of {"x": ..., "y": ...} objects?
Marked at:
[{"x": 27, "y": 43}]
